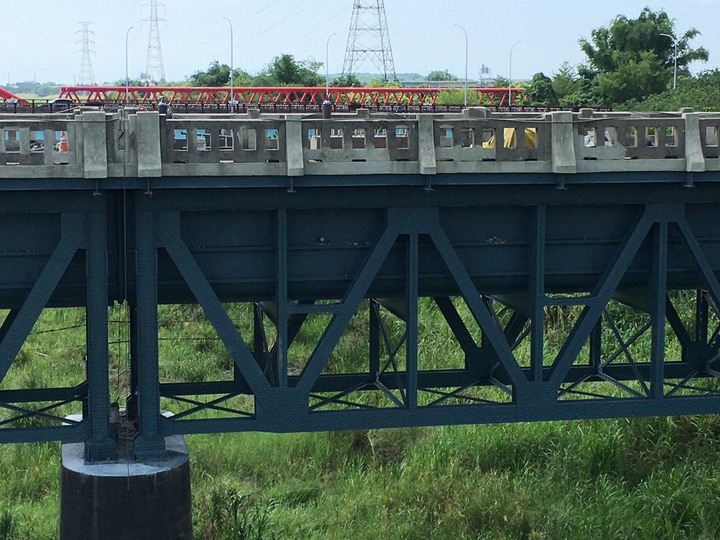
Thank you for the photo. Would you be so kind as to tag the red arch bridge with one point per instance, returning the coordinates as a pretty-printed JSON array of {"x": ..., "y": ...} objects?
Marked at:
[{"x": 570, "y": 259}]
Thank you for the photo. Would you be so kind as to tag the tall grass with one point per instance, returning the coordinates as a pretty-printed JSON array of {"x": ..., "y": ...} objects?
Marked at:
[{"x": 618, "y": 478}]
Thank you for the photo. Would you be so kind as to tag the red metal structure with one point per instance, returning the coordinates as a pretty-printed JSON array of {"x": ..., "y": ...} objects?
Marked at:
[
  {"x": 4, "y": 94},
  {"x": 277, "y": 95}
]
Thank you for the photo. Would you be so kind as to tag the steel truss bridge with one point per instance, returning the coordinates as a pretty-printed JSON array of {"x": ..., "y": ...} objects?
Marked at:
[
  {"x": 275, "y": 95},
  {"x": 571, "y": 258},
  {"x": 269, "y": 98}
]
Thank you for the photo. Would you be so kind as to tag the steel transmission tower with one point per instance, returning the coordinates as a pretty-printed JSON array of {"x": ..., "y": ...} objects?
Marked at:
[
  {"x": 87, "y": 77},
  {"x": 369, "y": 39},
  {"x": 154, "y": 68}
]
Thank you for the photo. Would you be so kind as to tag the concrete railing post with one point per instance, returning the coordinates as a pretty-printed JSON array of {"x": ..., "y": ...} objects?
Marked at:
[
  {"x": 149, "y": 155},
  {"x": 694, "y": 157},
  {"x": 563, "y": 143},
  {"x": 94, "y": 140},
  {"x": 426, "y": 140},
  {"x": 294, "y": 148}
]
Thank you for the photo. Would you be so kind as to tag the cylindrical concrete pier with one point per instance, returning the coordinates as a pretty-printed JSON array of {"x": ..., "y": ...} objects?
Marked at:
[{"x": 139, "y": 500}]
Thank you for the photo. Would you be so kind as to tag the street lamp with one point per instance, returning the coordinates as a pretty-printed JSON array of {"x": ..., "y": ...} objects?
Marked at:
[
  {"x": 675, "y": 42},
  {"x": 327, "y": 66},
  {"x": 466, "y": 63},
  {"x": 127, "y": 77},
  {"x": 232, "y": 69},
  {"x": 510, "y": 75}
]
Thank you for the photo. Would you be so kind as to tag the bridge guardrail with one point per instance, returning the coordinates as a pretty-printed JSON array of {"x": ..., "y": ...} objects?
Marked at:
[{"x": 98, "y": 144}]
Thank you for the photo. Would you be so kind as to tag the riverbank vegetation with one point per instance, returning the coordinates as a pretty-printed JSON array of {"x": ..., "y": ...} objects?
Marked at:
[{"x": 617, "y": 478}]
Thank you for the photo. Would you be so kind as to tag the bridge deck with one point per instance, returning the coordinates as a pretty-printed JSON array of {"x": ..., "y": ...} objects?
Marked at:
[{"x": 497, "y": 223}]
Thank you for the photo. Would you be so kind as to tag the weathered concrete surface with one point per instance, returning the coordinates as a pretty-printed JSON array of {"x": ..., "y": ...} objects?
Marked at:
[
  {"x": 98, "y": 145},
  {"x": 142, "y": 500}
]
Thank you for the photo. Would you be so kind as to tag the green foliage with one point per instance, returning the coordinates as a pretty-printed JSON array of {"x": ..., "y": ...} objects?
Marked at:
[
  {"x": 452, "y": 96},
  {"x": 216, "y": 75},
  {"x": 347, "y": 80},
  {"x": 286, "y": 71},
  {"x": 632, "y": 59},
  {"x": 616, "y": 478},
  {"x": 34, "y": 89},
  {"x": 283, "y": 71},
  {"x": 702, "y": 93},
  {"x": 439, "y": 75},
  {"x": 587, "y": 92},
  {"x": 541, "y": 91},
  {"x": 501, "y": 82},
  {"x": 383, "y": 83},
  {"x": 564, "y": 81},
  {"x": 224, "y": 513},
  {"x": 8, "y": 527}
]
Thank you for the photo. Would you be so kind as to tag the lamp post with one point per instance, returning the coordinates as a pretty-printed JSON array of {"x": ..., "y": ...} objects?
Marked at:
[
  {"x": 675, "y": 42},
  {"x": 327, "y": 66},
  {"x": 232, "y": 69},
  {"x": 465, "y": 95},
  {"x": 510, "y": 74},
  {"x": 127, "y": 77}
]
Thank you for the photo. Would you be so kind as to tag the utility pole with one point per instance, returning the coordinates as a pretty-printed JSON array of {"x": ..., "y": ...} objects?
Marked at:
[
  {"x": 154, "y": 67},
  {"x": 87, "y": 77},
  {"x": 369, "y": 39}
]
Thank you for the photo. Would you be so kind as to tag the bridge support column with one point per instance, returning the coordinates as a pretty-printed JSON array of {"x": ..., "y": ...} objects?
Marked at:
[{"x": 143, "y": 499}]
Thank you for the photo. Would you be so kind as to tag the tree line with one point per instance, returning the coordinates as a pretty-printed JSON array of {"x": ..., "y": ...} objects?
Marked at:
[{"x": 629, "y": 65}]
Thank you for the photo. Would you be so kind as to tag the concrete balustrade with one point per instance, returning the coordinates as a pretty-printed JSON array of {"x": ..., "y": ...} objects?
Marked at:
[{"x": 93, "y": 144}]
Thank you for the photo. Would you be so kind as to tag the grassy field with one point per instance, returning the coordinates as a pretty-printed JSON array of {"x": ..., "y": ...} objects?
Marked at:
[{"x": 624, "y": 478}]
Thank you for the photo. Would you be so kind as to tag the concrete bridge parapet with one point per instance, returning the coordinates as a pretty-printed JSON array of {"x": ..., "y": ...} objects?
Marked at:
[{"x": 94, "y": 144}]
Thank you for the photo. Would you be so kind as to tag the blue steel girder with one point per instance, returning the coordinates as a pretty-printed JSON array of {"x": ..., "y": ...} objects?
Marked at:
[
  {"x": 78, "y": 231},
  {"x": 282, "y": 400},
  {"x": 382, "y": 259}
]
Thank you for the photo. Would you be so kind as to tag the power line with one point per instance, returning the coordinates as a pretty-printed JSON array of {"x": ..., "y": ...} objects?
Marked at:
[
  {"x": 87, "y": 76},
  {"x": 154, "y": 67},
  {"x": 369, "y": 39}
]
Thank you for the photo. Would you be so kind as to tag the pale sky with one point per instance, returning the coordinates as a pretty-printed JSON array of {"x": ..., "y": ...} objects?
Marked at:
[{"x": 39, "y": 42}]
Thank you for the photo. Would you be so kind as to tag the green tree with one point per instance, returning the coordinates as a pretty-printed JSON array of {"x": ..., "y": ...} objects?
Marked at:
[
  {"x": 286, "y": 71},
  {"x": 702, "y": 93},
  {"x": 216, "y": 75},
  {"x": 631, "y": 59},
  {"x": 242, "y": 78},
  {"x": 541, "y": 92},
  {"x": 587, "y": 92},
  {"x": 565, "y": 80},
  {"x": 348, "y": 79},
  {"x": 501, "y": 82},
  {"x": 438, "y": 75}
]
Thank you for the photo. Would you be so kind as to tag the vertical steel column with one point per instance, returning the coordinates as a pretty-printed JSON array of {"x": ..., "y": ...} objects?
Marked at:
[
  {"x": 374, "y": 336},
  {"x": 658, "y": 294},
  {"x": 411, "y": 323},
  {"x": 282, "y": 299},
  {"x": 149, "y": 442},
  {"x": 596, "y": 344},
  {"x": 259, "y": 345},
  {"x": 701, "y": 317},
  {"x": 99, "y": 446},
  {"x": 537, "y": 292},
  {"x": 132, "y": 401}
]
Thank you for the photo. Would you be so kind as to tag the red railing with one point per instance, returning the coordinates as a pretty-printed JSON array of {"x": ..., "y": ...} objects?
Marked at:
[{"x": 277, "y": 95}]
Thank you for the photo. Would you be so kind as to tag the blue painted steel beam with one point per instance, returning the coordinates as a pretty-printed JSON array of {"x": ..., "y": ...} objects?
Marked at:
[{"x": 575, "y": 249}]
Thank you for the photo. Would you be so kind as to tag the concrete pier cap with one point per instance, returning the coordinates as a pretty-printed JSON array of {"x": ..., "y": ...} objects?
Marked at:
[{"x": 145, "y": 499}]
